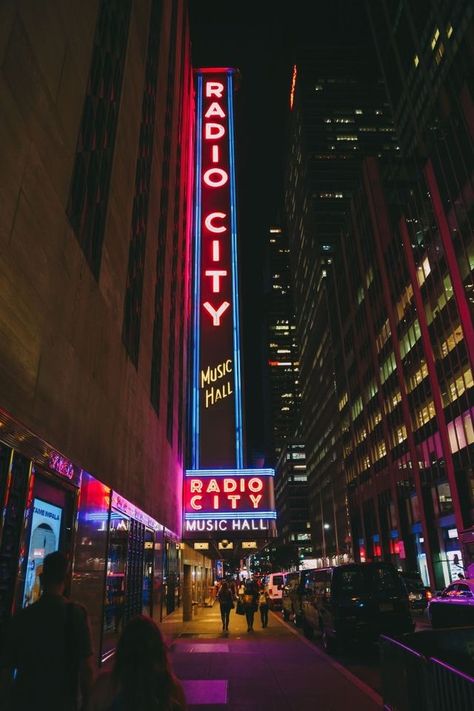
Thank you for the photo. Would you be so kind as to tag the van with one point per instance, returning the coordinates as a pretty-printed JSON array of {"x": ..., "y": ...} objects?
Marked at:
[
  {"x": 354, "y": 602},
  {"x": 275, "y": 583}
]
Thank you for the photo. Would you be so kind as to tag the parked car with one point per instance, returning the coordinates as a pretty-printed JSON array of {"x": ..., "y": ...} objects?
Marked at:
[
  {"x": 419, "y": 594},
  {"x": 275, "y": 583},
  {"x": 454, "y": 607},
  {"x": 291, "y": 598},
  {"x": 354, "y": 602}
]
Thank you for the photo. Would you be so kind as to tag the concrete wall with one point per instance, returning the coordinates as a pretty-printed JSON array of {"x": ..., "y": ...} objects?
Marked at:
[{"x": 64, "y": 372}]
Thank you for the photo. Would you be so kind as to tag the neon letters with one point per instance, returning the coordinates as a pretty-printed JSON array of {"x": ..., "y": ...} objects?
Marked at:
[{"x": 214, "y": 177}]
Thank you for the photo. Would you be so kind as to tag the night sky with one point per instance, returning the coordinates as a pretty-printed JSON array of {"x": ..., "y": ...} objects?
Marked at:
[{"x": 258, "y": 37}]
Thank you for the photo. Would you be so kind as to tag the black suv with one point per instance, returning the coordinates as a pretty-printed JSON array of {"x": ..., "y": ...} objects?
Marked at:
[
  {"x": 354, "y": 602},
  {"x": 418, "y": 594}
]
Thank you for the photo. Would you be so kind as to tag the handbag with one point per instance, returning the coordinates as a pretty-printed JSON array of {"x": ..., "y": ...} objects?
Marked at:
[{"x": 240, "y": 610}]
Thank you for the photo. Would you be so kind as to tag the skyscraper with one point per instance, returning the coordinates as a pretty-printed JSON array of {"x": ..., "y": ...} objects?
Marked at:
[
  {"x": 408, "y": 420},
  {"x": 338, "y": 114},
  {"x": 281, "y": 344}
]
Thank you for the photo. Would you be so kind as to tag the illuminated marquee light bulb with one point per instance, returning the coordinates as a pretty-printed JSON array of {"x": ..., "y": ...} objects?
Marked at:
[
  {"x": 213, "y": 131},
  {"x": 222, "y": 177},
  {"x": 216, "y": 314},
  {"x": 209, "y": 222},
  {"x": 214, "y": 110},
  {"x": 214, "y": 88},
  {"x": 216, "y": 274}
]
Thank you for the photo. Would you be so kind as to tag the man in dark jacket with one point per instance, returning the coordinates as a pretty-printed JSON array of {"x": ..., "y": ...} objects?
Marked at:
[
  {"x": 46, "y": 660},
  {"x": 250, "y": 602}
]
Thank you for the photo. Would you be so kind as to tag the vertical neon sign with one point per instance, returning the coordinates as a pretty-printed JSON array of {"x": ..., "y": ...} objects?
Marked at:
[{"x": 217, "y": 428}]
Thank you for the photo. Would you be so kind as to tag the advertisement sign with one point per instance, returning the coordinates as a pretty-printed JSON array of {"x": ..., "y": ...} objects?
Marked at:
[
  {"x": 216, "y": 395},
  {"x": 229, "y": 501},
  {"x": 44, "y": 539},
  {"x": 220, "y": 496}
]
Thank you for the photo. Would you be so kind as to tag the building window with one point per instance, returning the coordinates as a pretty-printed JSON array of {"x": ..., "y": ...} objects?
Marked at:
[
  {"x": 89, "y": 192},
  {"x": 136, "y": 255}
]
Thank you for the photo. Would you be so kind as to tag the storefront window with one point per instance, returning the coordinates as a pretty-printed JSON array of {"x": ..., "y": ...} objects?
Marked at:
[
  {"x": 115, "y": 582},
  {"x": 91, "y": 550},
  {"x": 147, "y": 598}
]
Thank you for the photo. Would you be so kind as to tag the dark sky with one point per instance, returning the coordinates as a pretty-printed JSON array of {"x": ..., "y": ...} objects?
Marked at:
[
  {"x": 257, "y": 37},
  {"x": 252, "y": 41}
]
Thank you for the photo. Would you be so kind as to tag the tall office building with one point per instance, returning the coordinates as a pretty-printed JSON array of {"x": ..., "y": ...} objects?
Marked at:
[
  {"x": 406, "y": 380},
  {"x": 281, "y": 345},
  {"x": 96, "y": 183},
  {"x": 338, "y": 114},
  {"x": 291, "y": 498}
]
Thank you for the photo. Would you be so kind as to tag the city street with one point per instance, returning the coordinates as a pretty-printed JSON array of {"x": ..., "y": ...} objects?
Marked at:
[{"x": 273, "y": 668}]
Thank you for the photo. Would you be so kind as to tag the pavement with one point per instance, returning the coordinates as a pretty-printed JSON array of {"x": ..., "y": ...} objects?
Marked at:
[{"x": 273, "y": 668}]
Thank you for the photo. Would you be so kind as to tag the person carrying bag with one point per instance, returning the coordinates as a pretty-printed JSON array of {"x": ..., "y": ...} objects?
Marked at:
[{"x": 263, "y": 604}]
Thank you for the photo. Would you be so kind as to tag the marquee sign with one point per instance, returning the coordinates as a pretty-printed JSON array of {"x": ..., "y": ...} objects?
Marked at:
[
  {"x": 216, "y": 394},
  {"x": 228, "y": 500},
  {"x": 220, "y": 496}
]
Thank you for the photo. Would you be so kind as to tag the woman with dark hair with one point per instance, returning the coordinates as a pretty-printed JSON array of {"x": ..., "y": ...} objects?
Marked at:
[
  {"x": 141, "y": 679},
  {"x": 226, "y": 602}
]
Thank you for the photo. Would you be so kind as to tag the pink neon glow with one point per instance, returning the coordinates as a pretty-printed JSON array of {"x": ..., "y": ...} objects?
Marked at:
[
  {"x": 216, "y": 314},
  {"x": 213, "y": 130},
  {"x": 228, "y": 493},
  {"x": 215, "y": 250},
  {"x": 214, "y": 88},
  {"x": 218, "y": 182},
  {"x": 216, "y": 274},
  {"x": 214, "y": 110},
  {"x": 215, "y": 154},
  {"x": 210, "y": 219}
]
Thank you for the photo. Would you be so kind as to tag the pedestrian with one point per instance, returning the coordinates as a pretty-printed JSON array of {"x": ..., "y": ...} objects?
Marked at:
[
  {"x": 46, "y": 660},
  {"x": 141, "y": 679},
  {"x": 250, "y": 602},
  {"x": 263, "y": 605},
  {"x": 226, "y": 601}
]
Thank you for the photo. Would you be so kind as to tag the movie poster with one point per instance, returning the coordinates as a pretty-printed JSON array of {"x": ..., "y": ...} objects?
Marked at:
[{"x": 44, "y": 539}]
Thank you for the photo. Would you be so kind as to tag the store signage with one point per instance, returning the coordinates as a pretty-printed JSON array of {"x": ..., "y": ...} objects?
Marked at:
[
  {"x": 219, "y": 499},
  {"x": 233, "y": 525},
  {"x": 216, "y": 395},
  {"x": 126, "y": 507},
  {"x": 228, "y": 500}
]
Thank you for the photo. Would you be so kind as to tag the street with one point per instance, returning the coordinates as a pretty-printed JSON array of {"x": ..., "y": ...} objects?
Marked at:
[{"x": 363, "y": 662}]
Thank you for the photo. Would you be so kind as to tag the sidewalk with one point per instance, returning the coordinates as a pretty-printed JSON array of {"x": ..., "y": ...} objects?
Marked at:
[{"x": 268, "y": 669}]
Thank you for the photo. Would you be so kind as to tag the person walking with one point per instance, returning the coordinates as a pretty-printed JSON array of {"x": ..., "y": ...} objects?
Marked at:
[
  {"x": 250, "y": 602},
  {"x": 141, "y": 679},
  {"x": 263, "y": 604},
  {"x": 226, "y": 601},
  {"x": 49, "y": 645}
]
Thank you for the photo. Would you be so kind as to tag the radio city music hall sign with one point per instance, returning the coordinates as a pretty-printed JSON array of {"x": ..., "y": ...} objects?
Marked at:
[
  {"x": 228, "y": 500},
  {"x": 216, "y": 394}
]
